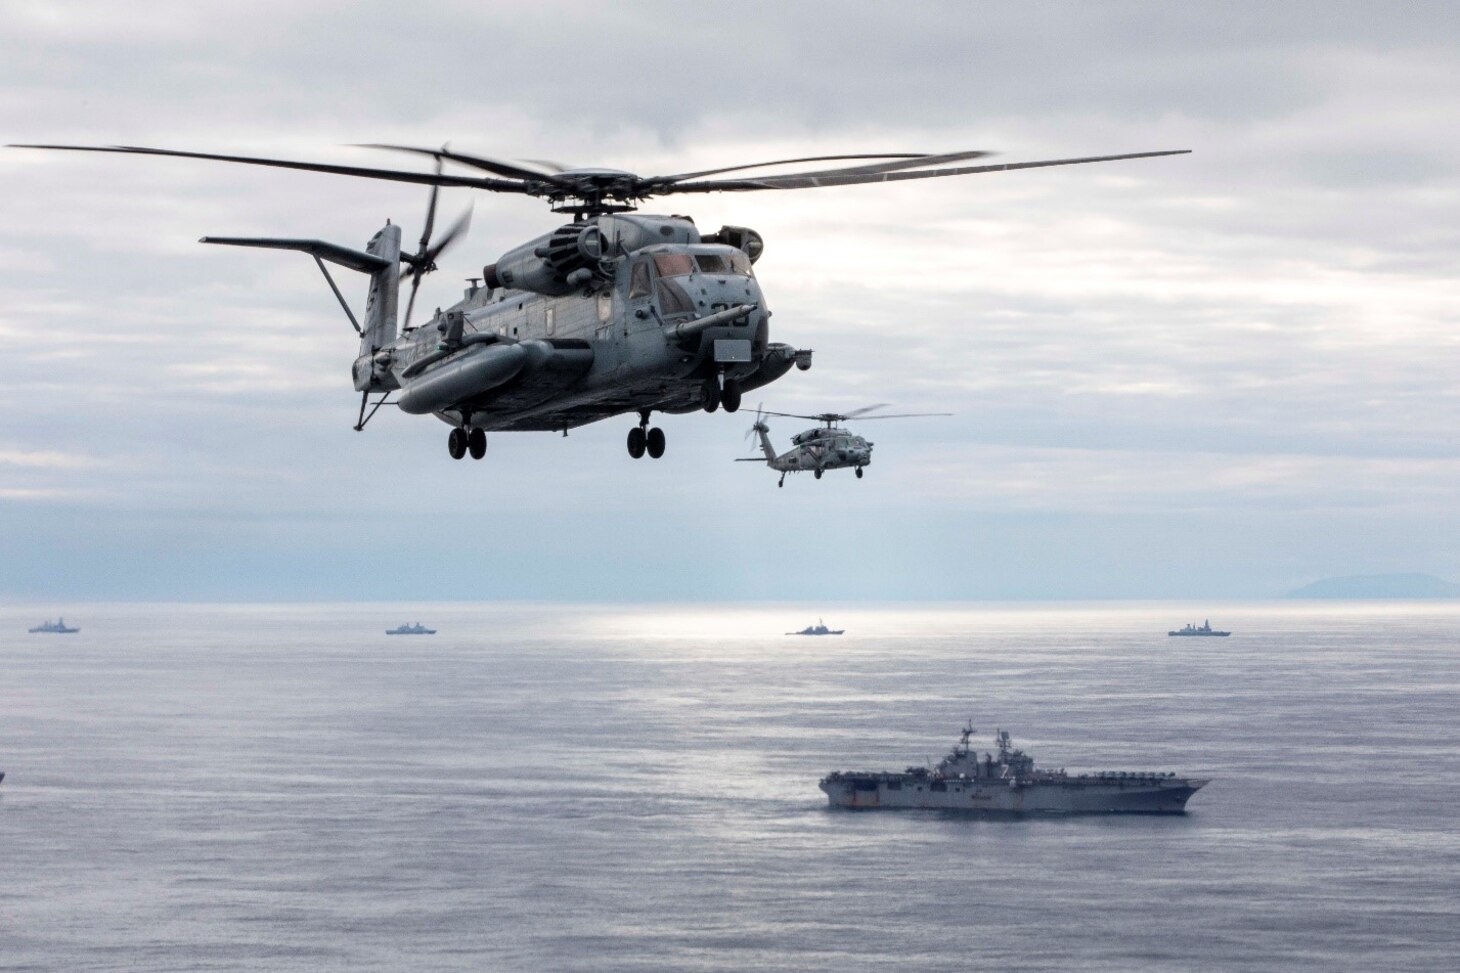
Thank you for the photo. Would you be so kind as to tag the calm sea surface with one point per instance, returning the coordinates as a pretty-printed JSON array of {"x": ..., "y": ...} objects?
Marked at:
[{"x": 589, "y": 788}]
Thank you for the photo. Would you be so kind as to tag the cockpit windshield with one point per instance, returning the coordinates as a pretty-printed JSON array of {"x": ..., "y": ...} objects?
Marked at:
[
  {"x": 680, "y": 264},
  {"x": 673, "y": 264}
]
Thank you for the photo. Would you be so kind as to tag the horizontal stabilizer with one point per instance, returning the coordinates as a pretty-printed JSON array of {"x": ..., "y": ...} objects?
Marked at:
[{"x": 366, "y": 263}]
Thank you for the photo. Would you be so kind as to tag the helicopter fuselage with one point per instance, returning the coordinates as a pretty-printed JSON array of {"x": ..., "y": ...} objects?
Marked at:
[
  {"x": 826, "y": 447},
  {"x": 664, "y": 327}
]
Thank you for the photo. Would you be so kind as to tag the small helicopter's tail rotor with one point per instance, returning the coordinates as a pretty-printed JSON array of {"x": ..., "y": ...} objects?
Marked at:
[
  {"x": 759, "y": 424},
  {"x": 423, "y": 261}
]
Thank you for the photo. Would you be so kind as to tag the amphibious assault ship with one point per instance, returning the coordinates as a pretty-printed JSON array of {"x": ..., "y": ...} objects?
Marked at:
[
  {"x": 416, "y": 629},
  {"x": 1009, "y": 784}
]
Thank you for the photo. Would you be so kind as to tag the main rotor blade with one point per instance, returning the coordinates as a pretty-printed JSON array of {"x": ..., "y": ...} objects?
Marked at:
[
  {"x": 548, "y": 165},
  {"x": 786, "y": 162},
  {"x": 864, "y": 410},
  {"x": 909, "y": 162},
  {"x": 816, "y": 181},
  {"x": 392, "y": 175},
  {"x": 903, "y": 415},
  {"x": 790, "y": 415},
  {"x": 498, "y": 166}
]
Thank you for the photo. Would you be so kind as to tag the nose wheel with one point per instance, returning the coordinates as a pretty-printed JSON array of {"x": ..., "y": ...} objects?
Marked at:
[
  {"x": 859, "y": 472},
  {"x": 719, "y": 391},
  {"x": 643, "y": 439},
  {"x": 730, "y": 395}
]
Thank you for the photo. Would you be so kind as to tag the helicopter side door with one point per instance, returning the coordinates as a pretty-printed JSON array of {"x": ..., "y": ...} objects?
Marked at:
[{"x": 639, "y": 304}]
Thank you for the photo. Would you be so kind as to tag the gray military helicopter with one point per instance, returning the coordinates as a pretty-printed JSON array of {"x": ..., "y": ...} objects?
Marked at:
[
  {"x": 611, "y": 313},
  {"x": 826, "y": 447}
]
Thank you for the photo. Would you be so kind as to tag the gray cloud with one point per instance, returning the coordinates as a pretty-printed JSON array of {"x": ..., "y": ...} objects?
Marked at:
[{"x": 1251, "y": 348}]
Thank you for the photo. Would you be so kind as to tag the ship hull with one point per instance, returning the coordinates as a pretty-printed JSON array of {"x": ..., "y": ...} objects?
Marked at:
[{"x": 1072, "y": 795}]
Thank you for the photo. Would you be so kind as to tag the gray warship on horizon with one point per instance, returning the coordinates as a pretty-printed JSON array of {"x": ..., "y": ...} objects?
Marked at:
[
  {"x": 1205, "y": 629},
  {"x": 1009, "y": 784},
  {"x": 58, "y": 627},
  {"x": 818, "y": 629},
  {"x": 416, "y": 629}
]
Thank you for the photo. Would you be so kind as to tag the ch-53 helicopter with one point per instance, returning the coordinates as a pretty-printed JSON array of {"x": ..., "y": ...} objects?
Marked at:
[
  {"x": 826, "y": 447},
  {"x": 612, "y": 313}
]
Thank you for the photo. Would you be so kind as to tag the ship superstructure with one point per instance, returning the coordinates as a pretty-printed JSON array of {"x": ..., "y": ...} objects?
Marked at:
[{"x": 1009, "y": 783}]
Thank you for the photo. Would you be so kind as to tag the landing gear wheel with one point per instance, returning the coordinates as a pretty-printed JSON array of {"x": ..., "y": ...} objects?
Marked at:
[
  {"x": 818, "y": 474},
  {"x": 710, "y": 397},
  {"x": 859, "y": 472},
  {"x": 654, "y": 442},
  {"x": 476, "y": 444},
  {"x": 456, "y": 443},
  {"x": 782, "y": 482},
  {"x": 730, "y": 397},
  {"x": 636, "y": 442}
]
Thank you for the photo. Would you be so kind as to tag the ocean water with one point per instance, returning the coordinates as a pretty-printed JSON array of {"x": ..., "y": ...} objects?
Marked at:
[{"x": 594, "y": 788}]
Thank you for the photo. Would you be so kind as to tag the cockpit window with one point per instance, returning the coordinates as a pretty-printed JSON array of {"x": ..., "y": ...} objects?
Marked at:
[
  {"x": 639, "y": 280},
  {"x": 673, "y": 264},
  {"x": 740, "y": 264},
  {"x": 712, "y": 263}
]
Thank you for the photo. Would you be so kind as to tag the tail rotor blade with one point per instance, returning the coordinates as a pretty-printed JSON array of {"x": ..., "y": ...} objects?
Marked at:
[
  {"x": 462, "y": 224},
  {"x": 411, "y": 304}
]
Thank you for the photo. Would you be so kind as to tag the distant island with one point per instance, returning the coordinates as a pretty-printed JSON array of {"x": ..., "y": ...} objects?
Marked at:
[{"x": 1360, "y": 586}]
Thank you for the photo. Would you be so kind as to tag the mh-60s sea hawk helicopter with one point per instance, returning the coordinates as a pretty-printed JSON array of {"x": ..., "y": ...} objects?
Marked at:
[
  {"x": 614, "y": 312},
  {"x": 826, "y": 447}
]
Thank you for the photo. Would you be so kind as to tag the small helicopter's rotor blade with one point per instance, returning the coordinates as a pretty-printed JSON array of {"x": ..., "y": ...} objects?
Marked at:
[
  {"x": 814, "y": 180},
  {"x": 499, "y": 166},
  {"x": 790, "y": 415},
  {"x": 679, "y": 176},
  {"x": 392, "y": 175},
  {"x": 904, "y": 415},
  {"x": 864, "y": 410}
]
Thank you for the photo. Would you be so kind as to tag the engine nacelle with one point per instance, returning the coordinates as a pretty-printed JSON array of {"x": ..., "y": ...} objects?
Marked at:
[
  {"x": 581, "y": 254},
  {"x": 741, "y": 238}
]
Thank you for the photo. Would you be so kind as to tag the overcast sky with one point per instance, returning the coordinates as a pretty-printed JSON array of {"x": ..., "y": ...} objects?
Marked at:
[{"x": 1208, "y": 376}]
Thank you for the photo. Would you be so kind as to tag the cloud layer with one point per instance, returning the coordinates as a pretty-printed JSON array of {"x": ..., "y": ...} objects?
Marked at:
[{"x": 1218, "y": 374}]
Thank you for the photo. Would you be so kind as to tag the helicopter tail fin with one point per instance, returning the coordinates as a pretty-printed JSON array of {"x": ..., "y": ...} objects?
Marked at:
[
  {"x": 381, "y": 304},
  {"x": 762, "y": 430}
]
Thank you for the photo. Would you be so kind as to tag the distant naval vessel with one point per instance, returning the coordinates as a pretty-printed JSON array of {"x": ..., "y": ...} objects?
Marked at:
[
  {"x": 1009, "y": 784},
  {"x": 819, "y": 629},
  {"x": 416, "y": 629},
  {"x": 57, "y": 627},
  {"x": 1206, "y": 629}
]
